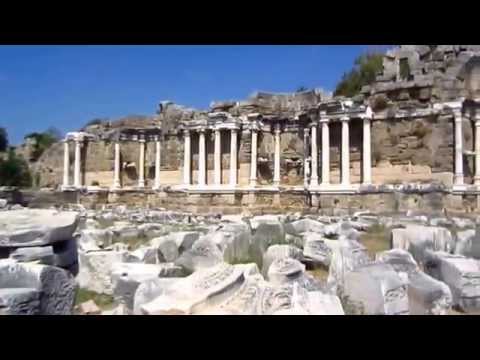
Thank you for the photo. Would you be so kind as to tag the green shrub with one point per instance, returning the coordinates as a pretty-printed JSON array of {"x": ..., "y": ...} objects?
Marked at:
[{"x": 14, "y": 171}]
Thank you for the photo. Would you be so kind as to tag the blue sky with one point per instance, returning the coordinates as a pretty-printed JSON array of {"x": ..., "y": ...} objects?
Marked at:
[{"x": 66, "y": 86}]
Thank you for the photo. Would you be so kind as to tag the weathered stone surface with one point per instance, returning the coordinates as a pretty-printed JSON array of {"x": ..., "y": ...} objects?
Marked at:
[
  {"x": 3, "y": 203},
  {"x": 234, "y": 241},
  {"x": 401, "y": 260},
  {"x": 89, "y": 308},
  {"x": 203, "y": 254},
  {"x": 468, "y": 244},
  {"x": 27, "y": 288},
  {"x": 35, "y": 227},
  {"x": 301, "y": 226},
  {"x": 200, "y": 290},
  {"x": 167, "y": 248},
  {"x": 417, "y": 238},
  {"x": 267, "y": 234},
  {"x": 317, "y": 249},
  {"x": 285, "y": 270},
  {"x": 184, "y": 239},
  {"x": 149, "y": 290},
  {"x": 347, "y": 256},
  {"x": 96, "y": 269},
  {"x": 427, "y": 296},
  {"x": 376, "y": 289},
  {"x": 145, "y": 255},
  {"x": 95, "y": 239},
  {"x": 124, "y": 230},
  {"x": 126, "y": 277},
  {"x": 276, "y": 252},
  {"x": 461, "y": 274}
]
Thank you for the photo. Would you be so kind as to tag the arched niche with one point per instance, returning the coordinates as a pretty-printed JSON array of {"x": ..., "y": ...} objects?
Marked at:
[{"x": 470, "y": 73}]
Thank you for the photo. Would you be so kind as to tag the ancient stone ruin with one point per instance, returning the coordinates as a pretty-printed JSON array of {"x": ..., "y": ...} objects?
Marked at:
[{"x": 281, "y": 204}]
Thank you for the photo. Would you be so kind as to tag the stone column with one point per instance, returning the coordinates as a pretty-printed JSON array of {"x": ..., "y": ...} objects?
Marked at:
[
  {"x": 66, "y": 163},
  {"x": 157, "y": 163},
  {"x": 306, "y": 168},
  {"x": 141, "y": 165},
  {"x": 345, "y": 151},
  {"x": 276, "y": 169},
  {"x": 477, "y": 151},
  {"x": 253, "y": 158},
  {"x": 201, "y": 159},
  {"x": 458, "y": 179},
  {"x": 325, "y": 152},
  {"x": 233, "y": 157},
  {"x": 78, "y": 154},
  {"x": 218, "y": 157},
  {"x": 314, "y": 178},
  {"x": 116, "y": 173},
  {"x": 187, "y": 161},
  {"x": 367, "y": 152}
]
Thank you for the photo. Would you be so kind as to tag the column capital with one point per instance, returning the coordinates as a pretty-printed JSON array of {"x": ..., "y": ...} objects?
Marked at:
[
  {"x": 324, "y": 120},
  {"x": 186, "y": 132},
  {"x": 277, "y": 128},
  {"x": 345, "y": 119},
  {"x": 202, "y": 130}
]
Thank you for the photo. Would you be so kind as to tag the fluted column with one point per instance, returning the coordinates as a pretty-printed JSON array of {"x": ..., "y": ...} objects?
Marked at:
[
  {"x": 201, "y": 159},
  {"x": 158, "y": 154},
  {"x": 253, "y": 158},
  {"x": 218, "y": 157},
  {"x": 141, "y": 165},
  {"x": 458, "y": 148},
  {"x": 187, "y": 160},
  {"x": 66, "y": 163},
  {"x": 477, "y": 150},
  {"x": 306, "y": 167},
  {"x": 314, "y": 177},
  {"x": 367, "y": 152},
  {"x": 233, "y": 157},
  {"x": 325, "y": 152},
  {"x": 116, "y": 171},
  {"x": 276, "y": 170},
  {"x": 78, "y": 154},
  {"x": 345, "y": 151}
]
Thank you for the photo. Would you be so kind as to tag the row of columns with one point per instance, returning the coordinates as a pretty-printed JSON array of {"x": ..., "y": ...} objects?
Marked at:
[
  {"x": 77, "y": 182},
  {"x": 345, "y": 163},
  {"x": 202, "y": 165}
]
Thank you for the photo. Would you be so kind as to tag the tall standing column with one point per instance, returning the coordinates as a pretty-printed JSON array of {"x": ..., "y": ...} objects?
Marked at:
[
  {"x": 233, "y": 157},
  {"x": 367, "y": 152},
  {"x": 276, "y": 170},
  {"x": 325, "y": 152},
  {"x": 477, "y": 150},
  {"x": 66, "y": 163},
  {"x": 141, "y": 166},
  {"x": 201, "y": 159},
  {"x": 253, "y": 159},
  {"x": 458, "y": 147},
  {"x": 218, "y": 157},
  {"x": 306, "y": 167},
  {"x": 78, "y": 154},
  {"x": 314, "y": 178},
  {"x": 116, "y": 174},
  {"x": 158, "y": 154},
  {"x": 187, "y": 161},
  {"x": 345, "y": 151}
]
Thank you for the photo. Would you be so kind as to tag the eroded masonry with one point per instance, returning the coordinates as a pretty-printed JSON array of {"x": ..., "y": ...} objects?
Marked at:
[{"x": 410, "y": 140}]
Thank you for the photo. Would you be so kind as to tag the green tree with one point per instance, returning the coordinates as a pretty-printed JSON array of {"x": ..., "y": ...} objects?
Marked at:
[
  {"x": 365, "y": 69},
  {"x": 3, "y": 139},
  {"x": 43, "y": 141},
  {"x": 14, "y": 171}
]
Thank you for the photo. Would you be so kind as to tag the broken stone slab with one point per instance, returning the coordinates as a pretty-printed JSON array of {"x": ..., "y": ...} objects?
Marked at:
[
  {"x": 144, "y": 255},
  {"x": 203, "y": 289},
  {"x": 167, "y": 248},
  {"x": 463, "y": 223},
  {"x": 203, "y": 254},
  {"x": 318, "y": 250},
  {"x": 468, "y": 244},
  {"x": 376, "y": 289},
  {"x": 3, "y": 203},
  {"x": 255, "y": 221},
  {"x": 461, "y": 274},
  {"x": 299, "y": 227},
  {"x": 401, "y": 260},
  {"x": 20, "y": 281},
  {"x": 92, "y": 224},
  {"x": 149, "y": 290},
  {"x": 428, "y": 296},
  {"x": 36, "y": 227},
  {"x": 126, "y": 277},
  {"x": 284, "y": 270},
  {"x": 95, "y": 239},
  {"x": 152, "y": 230},
  {"x": 347, "y": 256},
  {"x": 233, "y": 240},
  {"x": 266, "y": 234},
  {"x": 416, "y": 239},
  {"x": 121, "y": 309},
  {"x": 96, "y": 269},
  {"x": 123, "y": 230},
  {"x": 184, "y": 239},
  {"x": 276, "y": 252},
  {"x": 43, "y": 254}
]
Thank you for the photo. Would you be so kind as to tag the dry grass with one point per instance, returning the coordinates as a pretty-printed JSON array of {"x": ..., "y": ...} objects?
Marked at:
[
  {"x": 376, "y": 239},
  {"x": 320, "y": 273},
  {"x": 104, "y": 302}
]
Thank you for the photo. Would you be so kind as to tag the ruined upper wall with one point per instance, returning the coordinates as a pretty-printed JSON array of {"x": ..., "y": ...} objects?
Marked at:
[{"x": 419, "y": 75}]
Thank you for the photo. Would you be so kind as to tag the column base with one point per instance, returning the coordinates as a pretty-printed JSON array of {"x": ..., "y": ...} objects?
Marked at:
[
  {"x": 253, "y": 182},
  {"x": 314, "y": 182}
]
